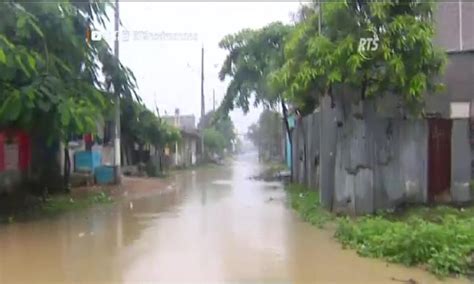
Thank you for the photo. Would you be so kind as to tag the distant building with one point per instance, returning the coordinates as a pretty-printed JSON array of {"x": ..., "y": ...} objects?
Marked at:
[{"x": 185, "y": 152}]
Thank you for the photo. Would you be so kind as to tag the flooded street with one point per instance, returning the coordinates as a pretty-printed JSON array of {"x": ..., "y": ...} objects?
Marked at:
[{"x": 211, "y": 225}]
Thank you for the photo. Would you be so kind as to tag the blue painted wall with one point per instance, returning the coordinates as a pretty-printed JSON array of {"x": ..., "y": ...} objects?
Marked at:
[{"x": 291, "y": 123}]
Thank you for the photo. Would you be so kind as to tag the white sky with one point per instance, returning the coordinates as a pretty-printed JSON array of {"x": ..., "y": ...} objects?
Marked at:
[{"x": 168, "y": 72}]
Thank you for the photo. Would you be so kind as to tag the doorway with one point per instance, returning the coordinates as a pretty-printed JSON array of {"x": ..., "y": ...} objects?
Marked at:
[{"x": 439, "y": 159}]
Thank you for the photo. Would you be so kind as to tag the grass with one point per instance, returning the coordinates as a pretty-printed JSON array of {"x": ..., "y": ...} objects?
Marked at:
[
  {"x": 55, "y": 205},
  {"x": 64, "y": 203},
  {"x": 306, "y": 202},
  {"x": 440, "y": 239},
  {"x": 443, "y": 244}
]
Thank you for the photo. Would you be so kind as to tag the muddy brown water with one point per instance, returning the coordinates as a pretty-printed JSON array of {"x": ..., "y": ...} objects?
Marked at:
[{"x": 210, "y": 226}]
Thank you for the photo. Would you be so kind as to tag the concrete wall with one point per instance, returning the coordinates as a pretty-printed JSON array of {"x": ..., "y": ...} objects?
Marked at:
[
  {"x": 460, "y": 164},
  {"x": 454, "y": 28},
  {"x": 327, "y": 157},
  {"x": 366, "y": 162},
  {"x": 459, "y": 85},
  {"x": 380, "y": 162},
  {"x": 306, "y": 151}
]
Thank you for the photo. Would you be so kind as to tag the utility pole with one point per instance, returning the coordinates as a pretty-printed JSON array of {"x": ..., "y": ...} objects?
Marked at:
[
  {"x": 320, "y": 14},
  {"x": 203, "y": 110},
  {"x": 213, "y": 100},
  {"x": 117, "y": 155}
]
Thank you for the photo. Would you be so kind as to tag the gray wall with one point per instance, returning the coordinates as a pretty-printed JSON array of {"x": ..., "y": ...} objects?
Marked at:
[
  {"x": 448, "y": 29},
  {"x": 327, "y": 142},
  {"x": 380, "y": 162},
  {"x": 460, "y": 165},
  {"x": 366, "y": 162},
  {"x": 306, "y": 151},
  {"x": 459, "y": 83}
]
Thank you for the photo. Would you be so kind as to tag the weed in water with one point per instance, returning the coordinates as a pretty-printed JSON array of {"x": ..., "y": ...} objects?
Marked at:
[{"x": 59, "y": 204}]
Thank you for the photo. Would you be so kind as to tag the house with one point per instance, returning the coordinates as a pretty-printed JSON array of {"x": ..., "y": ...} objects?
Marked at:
[
  {"x": 367, "y": 155},
  {"x": 15, "y": 158},
  {"x": 26, "y": 156},
  {"x": 185, "y": 153}
]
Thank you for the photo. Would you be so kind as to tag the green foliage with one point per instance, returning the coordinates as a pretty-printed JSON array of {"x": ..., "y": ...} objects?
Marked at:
[
  {"x": 252, "y": 56},
  {"x": 267, "y": 133},
  {"x": 221, "y": 123},
  {"x": 50, "y": 74},
  {"x": 444, "y": 246},
  {"x": 307, "y": 203},
  {"x": 142, "y": 126},
  {"x": 440, "y": 238},
  {"x": 214, "y": 140},
  {"x": 405, "y": 62},
  {"x": 61, "y": 204}
]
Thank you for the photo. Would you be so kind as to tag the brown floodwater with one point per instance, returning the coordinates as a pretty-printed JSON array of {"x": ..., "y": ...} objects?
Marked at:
[{"x": 212, "y": 225}]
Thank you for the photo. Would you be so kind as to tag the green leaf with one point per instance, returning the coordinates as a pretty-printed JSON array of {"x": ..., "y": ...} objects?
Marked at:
[
  {"x": 22, "y": 65},
  {"x": 32, "y": 62},
  {"x": 65, "y": 115},
  {"x": 11, "y": 107},
  {"x": 43, "y": 105},
  {"x": 35, "y": 27},
  {"x": 3, "y": 57}
]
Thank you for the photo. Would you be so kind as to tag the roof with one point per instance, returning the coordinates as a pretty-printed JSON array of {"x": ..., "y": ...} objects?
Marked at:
[
  {"x": 460, "y": 51},
  {"x": 187, "y": 122},
  {"x": 188, "y": 132}
]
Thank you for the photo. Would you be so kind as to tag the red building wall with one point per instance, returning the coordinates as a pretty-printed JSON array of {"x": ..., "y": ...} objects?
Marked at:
[{"x": 23, "y": 141}]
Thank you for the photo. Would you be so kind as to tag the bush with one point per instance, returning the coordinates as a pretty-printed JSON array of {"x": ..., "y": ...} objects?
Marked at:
[
  {"x": 439, "y": 238},
  {"x": 444, "y": 247}
]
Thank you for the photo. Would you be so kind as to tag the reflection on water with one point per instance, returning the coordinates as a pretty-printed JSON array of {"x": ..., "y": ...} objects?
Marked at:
[{"x": 211, "y": 225}]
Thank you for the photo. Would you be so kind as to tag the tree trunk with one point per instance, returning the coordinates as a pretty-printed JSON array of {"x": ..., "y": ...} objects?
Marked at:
[
  {"x": 140, "y": 153},
  {"x": 285, "y": 118},
  {"x": 67, "y": 168},
  {"x": 288, "y": 131},
  {"x": 158, "y": 152}
]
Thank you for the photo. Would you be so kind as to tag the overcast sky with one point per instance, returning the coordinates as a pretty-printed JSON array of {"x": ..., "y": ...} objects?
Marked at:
[{"x": 168, "y": 71}]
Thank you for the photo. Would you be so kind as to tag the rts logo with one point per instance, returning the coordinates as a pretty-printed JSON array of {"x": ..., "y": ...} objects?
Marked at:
[{"x": 368, "y": 44}]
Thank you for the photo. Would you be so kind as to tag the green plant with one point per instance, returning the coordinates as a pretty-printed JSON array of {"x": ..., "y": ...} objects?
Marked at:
[
  {"x": 443, "y": 246},
  {"x": 63, "y": 203},
  {"x": 214, "y": 140},
  {"x": 404, "y": 61},
  {"x": 306, "y": 202}
]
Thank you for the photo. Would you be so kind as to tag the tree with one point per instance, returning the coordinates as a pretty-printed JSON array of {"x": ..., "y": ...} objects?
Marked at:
[
  {"x": 253, "y": 56},
  {"x": 50, "y": 81},
  {"x": 143, "y": 127},
  {"x": 405, "y": 62},
  {"x": 221, "y": 123},
  {"x": 214, "y": 140},
  {"x": 267, "y": 135}
]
